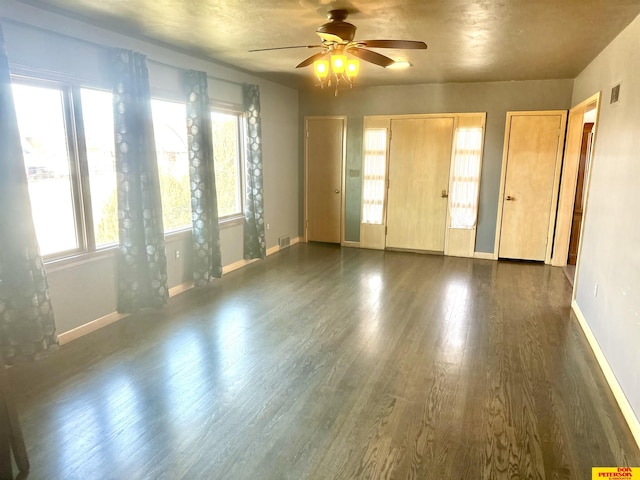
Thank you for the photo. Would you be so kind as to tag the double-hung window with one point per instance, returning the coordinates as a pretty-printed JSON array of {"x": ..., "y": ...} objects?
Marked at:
[
  {"x": 170, "y": 132},
  {"x": 228, "y": 157},
  {"x": 68, "y": 148}
]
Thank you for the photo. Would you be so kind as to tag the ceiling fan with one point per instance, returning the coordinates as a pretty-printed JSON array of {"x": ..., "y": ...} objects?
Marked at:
[{"x": 337, "y": 37}]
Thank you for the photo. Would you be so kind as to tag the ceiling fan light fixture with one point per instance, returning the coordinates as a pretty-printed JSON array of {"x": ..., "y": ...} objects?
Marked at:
[
  {"x": 337, "y": 37},
  {"x": 321, "y": 69},
  {"x": 338, "y": 63},
  {"x": 353, "y": 67}
]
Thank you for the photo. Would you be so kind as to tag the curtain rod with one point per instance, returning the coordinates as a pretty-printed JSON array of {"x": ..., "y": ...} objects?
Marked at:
[{"x": 99, "y": 45}]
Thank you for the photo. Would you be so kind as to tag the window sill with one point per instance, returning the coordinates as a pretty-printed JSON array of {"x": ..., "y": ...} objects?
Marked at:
[
  {"x": 63, "y": 263},
  {"x": 173, "y": 234},
  {"x": 225, "y": 222},
  {"x": 231, "y": 221}
]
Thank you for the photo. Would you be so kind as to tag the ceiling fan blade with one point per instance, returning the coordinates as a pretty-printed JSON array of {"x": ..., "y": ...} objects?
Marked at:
[
  {"x": 371, "y": 57},
  {"x": 285, "y": 48},
  {"x": 311, "y": 59},
  {"x": 405, "y": 44}
]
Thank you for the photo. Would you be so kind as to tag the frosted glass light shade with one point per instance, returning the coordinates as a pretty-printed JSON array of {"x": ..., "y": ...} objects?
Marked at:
[
  {"x": 321, "y": 69},
  {"x": 353, "y": 67},
  {"x": 338, "y": 63}
]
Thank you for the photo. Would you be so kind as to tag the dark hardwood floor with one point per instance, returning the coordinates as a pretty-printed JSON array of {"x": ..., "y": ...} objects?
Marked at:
[{"x": 329, "y": 363}]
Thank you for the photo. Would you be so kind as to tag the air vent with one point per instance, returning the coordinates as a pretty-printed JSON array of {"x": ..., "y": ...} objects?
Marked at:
[
  {"x": 615, "y": 93},
  {"x": 284, "y": 242}
]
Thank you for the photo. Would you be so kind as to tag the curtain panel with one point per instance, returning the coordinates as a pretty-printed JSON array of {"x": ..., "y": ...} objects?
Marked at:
[
  {"x": 465, "y": 177},
  {"x": 27, "y": 327},
  {"x": 142, "y": 263},
  {"x": 254, "y": 240},
  {"x": 207, "y": 260}
]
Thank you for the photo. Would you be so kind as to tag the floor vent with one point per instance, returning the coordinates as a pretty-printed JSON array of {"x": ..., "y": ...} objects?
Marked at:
[{"x": 284, "y": 242}]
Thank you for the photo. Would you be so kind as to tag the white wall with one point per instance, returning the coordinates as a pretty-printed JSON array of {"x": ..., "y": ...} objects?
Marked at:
[
  {"x": 610, "y": 250},
  {"x": 42, "y": 43}
]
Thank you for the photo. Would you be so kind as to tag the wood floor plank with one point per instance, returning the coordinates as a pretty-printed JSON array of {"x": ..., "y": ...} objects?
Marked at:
[{"x": 330, "y": 363}]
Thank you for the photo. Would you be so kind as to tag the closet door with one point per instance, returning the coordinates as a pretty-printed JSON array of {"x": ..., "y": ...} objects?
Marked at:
[
  {"x": 531, "y": 167},
  {"x": 324, "y": 156},
  {"x": 420, "y": 155}
]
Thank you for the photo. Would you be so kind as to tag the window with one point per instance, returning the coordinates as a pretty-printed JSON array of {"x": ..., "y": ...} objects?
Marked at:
[
  {"x": 170, "y": 131},
  {"x": 97, "y": 119},
  {"x": 227, "y": 162},
  {"x": 51, "y": 137},
  {"x": 375, "y": 159},
  {"x": 43, "y": 133},
  {"x": 465, "y": 183}
]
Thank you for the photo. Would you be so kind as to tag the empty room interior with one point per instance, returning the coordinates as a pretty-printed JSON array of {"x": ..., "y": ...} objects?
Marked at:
[{"x": 319, "y": 239}]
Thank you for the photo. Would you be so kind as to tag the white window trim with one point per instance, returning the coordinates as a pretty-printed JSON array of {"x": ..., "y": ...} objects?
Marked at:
[{"x": 238, "y": 111}]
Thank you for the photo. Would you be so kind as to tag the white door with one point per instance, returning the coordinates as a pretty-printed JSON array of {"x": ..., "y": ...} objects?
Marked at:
[
  {"x": 323, "y": 178},
  {"x": 420, "y": 155},
  {"x": 532, "y": 166}
]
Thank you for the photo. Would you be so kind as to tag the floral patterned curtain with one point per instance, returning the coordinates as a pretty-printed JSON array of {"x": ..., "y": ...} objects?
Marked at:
[
  {"x": 207, "y": 260},
  {"x": 254, "y": 241},
  {"x": 27, "y": 328},
  {"x": 142, "y": 263}
]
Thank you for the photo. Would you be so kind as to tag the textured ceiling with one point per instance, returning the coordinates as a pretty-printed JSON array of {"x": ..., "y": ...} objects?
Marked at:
[{"x": 469, "y": 41}]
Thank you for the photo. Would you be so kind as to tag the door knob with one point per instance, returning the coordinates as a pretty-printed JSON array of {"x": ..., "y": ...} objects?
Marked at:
[
  {"x": 337, "y": 191},
  {"x": 509, "y": 198},
  {"x": 444, "y": 194}
]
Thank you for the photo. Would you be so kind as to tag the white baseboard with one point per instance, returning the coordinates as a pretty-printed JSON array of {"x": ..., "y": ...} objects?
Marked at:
[
  {"x": 276, "y": 248},
  {"x": 616, "y": 389},
  {"x": 272, "y": 250},
  {"x": 484, "y": 256},
  {"x": 350, "y": 244},
  {"x": 110, "y": 318},
  {"x": 92, "y": 326},
  {"x": 236, "y": 265},
  {"x": 178, "y": 289}
]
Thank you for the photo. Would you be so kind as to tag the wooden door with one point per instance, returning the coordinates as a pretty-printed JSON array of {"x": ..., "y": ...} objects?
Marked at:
[
  {"x": 420, "y": 155},
  {"x": 576, "y": 224},
  {"x": 530, "y": 183},
  {"x": 324, "y": 151}
]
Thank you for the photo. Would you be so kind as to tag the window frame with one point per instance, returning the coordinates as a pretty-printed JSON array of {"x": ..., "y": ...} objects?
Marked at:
[
  {"x": 70, "y": 91},
  {"x": 239, "y": 112}
]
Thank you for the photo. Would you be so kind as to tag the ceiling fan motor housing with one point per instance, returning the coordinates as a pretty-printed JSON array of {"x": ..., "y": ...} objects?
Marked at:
[{"x": 337, "y": 30}]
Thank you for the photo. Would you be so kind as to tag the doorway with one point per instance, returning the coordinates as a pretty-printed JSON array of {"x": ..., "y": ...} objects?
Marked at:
[
  {"x": 581, "y": 132},
  {"x": 578, "y": 204}
]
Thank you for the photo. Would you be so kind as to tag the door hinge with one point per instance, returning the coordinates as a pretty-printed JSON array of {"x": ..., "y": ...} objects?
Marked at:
[
  {"x": 385, "y": 229},
  {"x": 387, "y": 184},
  {"x": 559, "y": 131},
  {"x": 307, "y": 133},
  {"x": 390, "y": 134}
]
